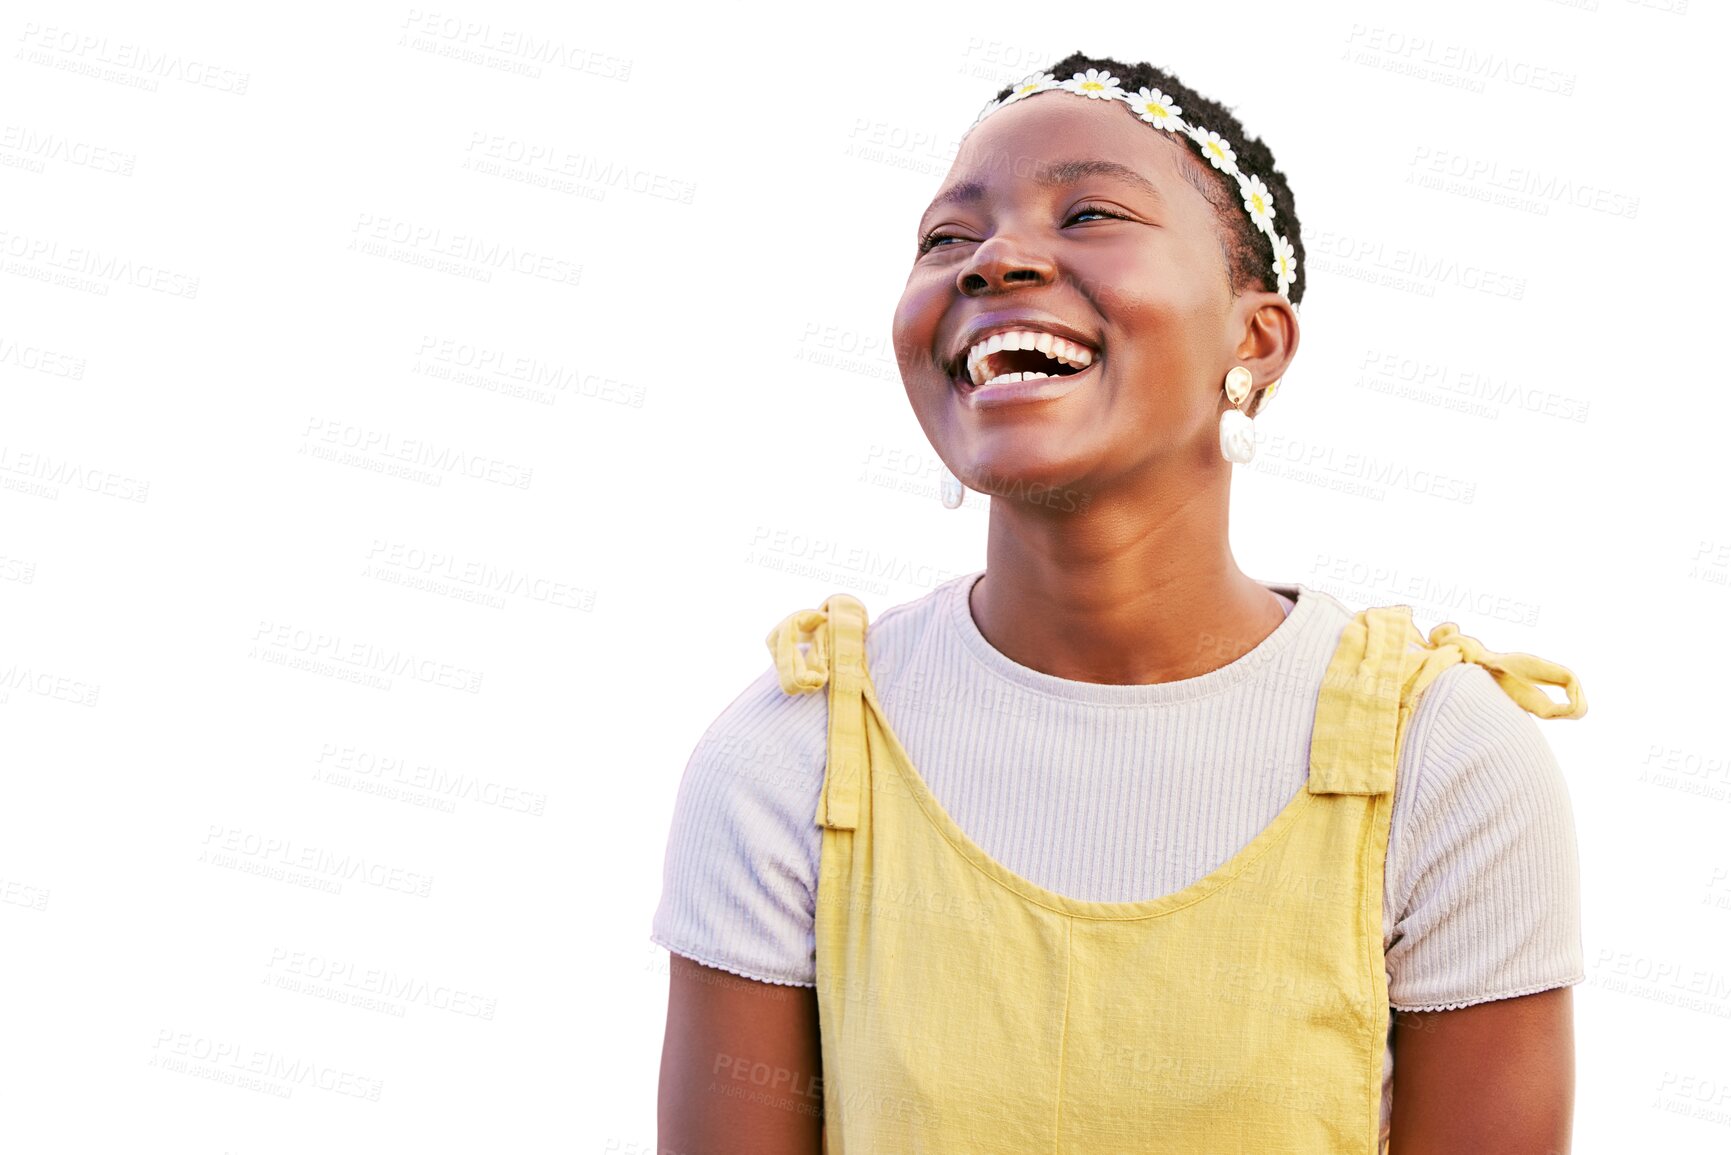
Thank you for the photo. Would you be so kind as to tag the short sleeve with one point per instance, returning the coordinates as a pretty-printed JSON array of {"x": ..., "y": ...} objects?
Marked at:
[
  {"x": 1483, "y": 889},
  {"x": 739, "y": 879}
]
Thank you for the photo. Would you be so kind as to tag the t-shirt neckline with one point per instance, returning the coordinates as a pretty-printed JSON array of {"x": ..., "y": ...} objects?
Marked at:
[{"x": 1259, "y": 658}]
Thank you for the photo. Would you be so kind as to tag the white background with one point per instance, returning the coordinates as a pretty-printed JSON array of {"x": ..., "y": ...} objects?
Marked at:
[{"x": 306, "y": 582}]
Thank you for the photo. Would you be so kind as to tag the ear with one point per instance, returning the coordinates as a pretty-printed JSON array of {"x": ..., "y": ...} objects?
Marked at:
[{"x": 1266, "y": 326}]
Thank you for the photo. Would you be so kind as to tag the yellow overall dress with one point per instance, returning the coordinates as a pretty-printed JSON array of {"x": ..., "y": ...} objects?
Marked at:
[{"x": 966, "y": 1010}]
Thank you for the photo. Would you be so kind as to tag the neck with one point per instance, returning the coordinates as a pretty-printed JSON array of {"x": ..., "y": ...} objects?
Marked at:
[{"x": 1120, "y": 598}]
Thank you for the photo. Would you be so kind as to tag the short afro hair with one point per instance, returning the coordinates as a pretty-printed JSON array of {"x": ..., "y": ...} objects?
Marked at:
[{"x": 1248, "y": 251}]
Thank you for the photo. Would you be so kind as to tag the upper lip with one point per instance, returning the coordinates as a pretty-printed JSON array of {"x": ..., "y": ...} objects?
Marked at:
[{"x": 986, "y": 324}]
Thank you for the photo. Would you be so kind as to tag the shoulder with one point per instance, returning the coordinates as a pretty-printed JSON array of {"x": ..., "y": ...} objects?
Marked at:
[
  {"x": 739, "y": 875},
  {"x": 896, "y": 635},
  {"x": 1478, "y": 770},
  {"x": 765, "y": 741},
  {"x": 743, "y": 851},
  {"x": 1477, "y": 782},
  {"x": 1476, "y": 777},
  {"x": 1462, "y": 724},
  {"x": 1483, "y": 885},
  {"x": 1467, "y": 731},
  {"x": 769, "y": 747}
]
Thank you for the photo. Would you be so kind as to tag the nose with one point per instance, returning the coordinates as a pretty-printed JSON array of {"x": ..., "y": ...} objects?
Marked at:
[{"x": 1002, "y": 263}]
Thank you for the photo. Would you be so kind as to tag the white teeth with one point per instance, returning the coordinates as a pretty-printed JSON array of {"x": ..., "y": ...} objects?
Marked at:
[
  {"x": 1072, "y": 353},
  {"x": 1003, "y": 378},
  {"x": 1055, "y": 347}
]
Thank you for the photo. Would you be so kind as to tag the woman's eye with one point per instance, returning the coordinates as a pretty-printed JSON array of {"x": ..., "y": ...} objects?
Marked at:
[
  {"x": 930, "y": 241},
  {"x": 1096, "y": 210}
]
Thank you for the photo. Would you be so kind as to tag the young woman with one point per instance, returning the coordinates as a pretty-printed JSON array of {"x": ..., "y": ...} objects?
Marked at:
[{"x": 1107, "y": 846}]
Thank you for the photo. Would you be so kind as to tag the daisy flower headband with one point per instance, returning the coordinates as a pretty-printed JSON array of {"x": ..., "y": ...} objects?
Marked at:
[{"x": 1156, "y": 108}]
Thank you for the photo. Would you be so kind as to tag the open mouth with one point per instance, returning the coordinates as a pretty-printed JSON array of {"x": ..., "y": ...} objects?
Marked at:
[{"x": 1021, "y": 355}]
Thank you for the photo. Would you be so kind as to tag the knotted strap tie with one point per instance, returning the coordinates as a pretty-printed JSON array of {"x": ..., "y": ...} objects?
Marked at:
[
  {"x": 826, "y": 646},
  {"x": 801, "y": 672},
  {"x": 1382, "y": 665},
  {"x": 1518, "y": 674}
]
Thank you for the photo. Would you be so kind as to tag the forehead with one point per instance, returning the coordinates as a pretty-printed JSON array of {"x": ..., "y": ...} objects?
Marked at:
[{"x": 1041, "y": 138}]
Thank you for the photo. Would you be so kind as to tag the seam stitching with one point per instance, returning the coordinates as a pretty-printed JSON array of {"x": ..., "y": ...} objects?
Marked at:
[
  {"x": 709, "y": 960},
  {"x": 1536, "y": 988},
  {"x": 1064, "y": 1030}
]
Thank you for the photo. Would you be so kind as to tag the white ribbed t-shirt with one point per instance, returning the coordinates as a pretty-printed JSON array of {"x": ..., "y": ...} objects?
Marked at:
[{"x": 1122, "y": 793}]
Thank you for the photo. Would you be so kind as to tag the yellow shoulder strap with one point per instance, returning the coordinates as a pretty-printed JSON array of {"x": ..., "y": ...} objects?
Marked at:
[
  {"x": 1357, "y": 730},
  {"x": 833, "y": 653},
  {"x": 1372, "y": 685}
]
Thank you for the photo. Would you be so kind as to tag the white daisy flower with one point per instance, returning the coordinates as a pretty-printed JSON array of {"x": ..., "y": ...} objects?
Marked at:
[
  {"x": 1258, "y": 201},
  {"x": 1215, "y": 148},
  {"x": 1156, "y": 108},
  {"x": 1028, "y": 85},
  {"x": 1285, "y": 263},
  {"x": 1094, "y": 83}
]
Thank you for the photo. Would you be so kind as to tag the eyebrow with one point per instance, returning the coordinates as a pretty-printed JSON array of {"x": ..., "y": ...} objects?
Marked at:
[{"x": 1056, "y": 173}]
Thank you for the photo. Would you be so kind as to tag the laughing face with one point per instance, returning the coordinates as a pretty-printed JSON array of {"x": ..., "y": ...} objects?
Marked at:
[{"x": 1069, "y": 319}]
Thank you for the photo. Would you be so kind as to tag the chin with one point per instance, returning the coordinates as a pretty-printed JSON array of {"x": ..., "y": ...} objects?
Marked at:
[{"x": 1026, "y": 474}]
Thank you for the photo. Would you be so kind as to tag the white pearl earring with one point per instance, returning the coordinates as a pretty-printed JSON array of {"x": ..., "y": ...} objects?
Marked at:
[
  {"x": 1237, "y": 431},
  {"x": 949, "y": 488}
]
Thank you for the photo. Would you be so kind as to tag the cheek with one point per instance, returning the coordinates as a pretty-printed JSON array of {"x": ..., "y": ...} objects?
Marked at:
[
  {"x": 1156, "y": 310},
  {"x": 915, "y": 325},
  {"x": 1131, "y": 291}
]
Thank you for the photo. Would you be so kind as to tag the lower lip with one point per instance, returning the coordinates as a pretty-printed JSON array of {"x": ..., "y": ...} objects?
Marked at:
[{"x": 1018, "y": 392}]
